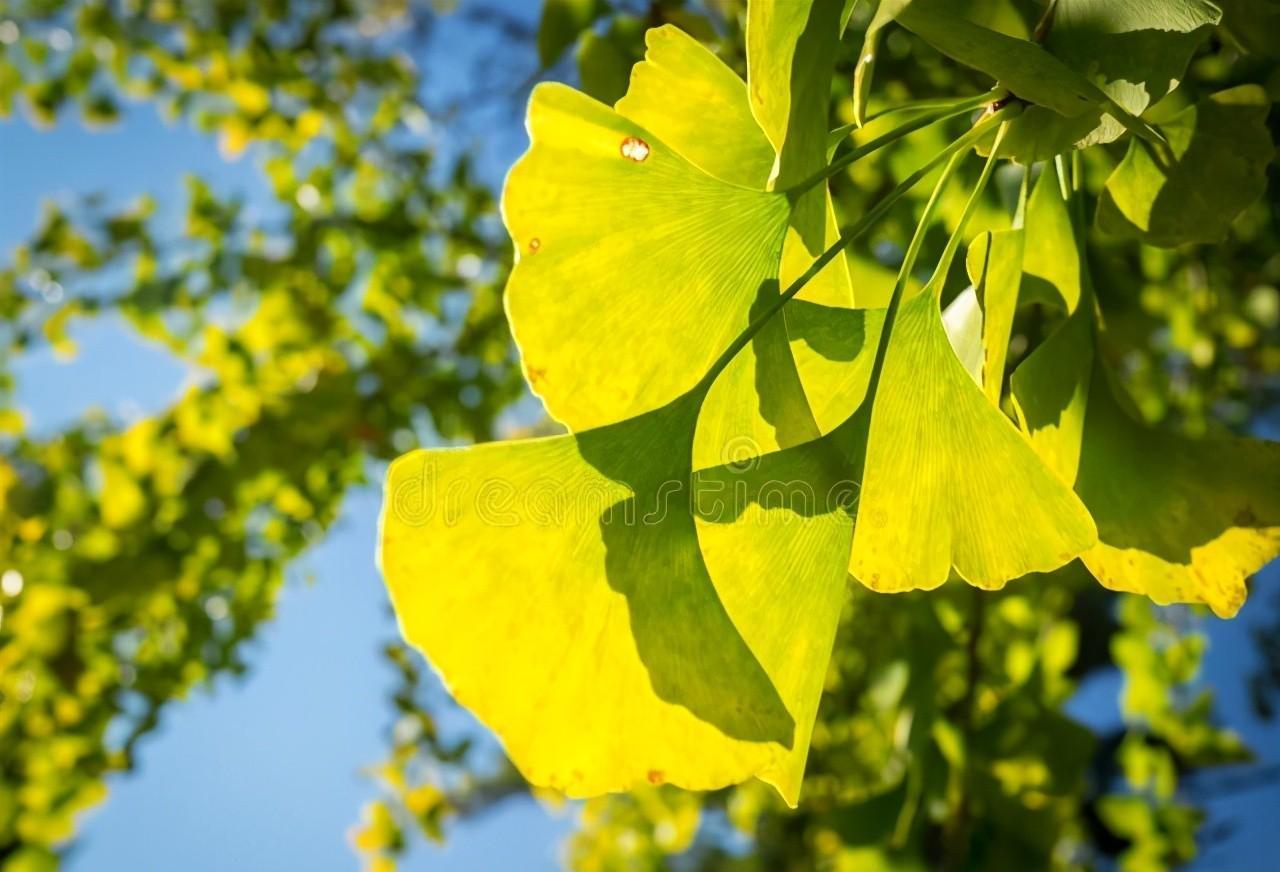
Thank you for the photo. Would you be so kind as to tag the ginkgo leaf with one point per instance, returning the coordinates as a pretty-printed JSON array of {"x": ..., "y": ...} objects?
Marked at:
[
  {"x": 775, "y": 533},
  {"x": 834, "y": 348},
  {"x": 1179, "y": 520},
  {"x": 1052, "y": 414},
  {"x": 1020, "y": 65},
  {"x": 791, "y": 49},
  {"x": 1136, "y": 51},
  {"x": 949, "y": 480},
  {"x": 559, "y": 588},
  {"x": 595, "y": 190},
  {"x": 714, "y": 129},
  {"x": 994, "y": 263},
  {"x": 1215, "y": 166},
  {"x": 885, "y": 12}
]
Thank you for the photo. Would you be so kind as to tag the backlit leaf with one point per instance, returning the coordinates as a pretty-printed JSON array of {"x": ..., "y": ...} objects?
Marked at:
[
  {"x": 559, "y": 587},
  {"x": 1179, "y": 520},
  {"x": 596, "y": 190},
  {"x": 949, "y": 480}
]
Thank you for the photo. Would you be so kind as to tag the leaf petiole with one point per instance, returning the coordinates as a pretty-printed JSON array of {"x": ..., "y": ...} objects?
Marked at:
[
  {"x": 949, "y": 110},
  {"x": 917, "y": 239},
  {"x": 953, "y": 243}
]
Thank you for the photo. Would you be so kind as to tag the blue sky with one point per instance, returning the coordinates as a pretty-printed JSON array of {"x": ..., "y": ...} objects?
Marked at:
[{"x": 264, "y": 773}]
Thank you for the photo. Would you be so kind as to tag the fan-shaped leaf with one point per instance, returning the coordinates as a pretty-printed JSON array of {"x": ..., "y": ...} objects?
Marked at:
[
  {"x": 559, "y": 588},
  {"x": 1135, "y": 51},
  {"x": 714, "y": 128},
  {"x": 1214, "y": 167},
  {"x": 1179, "y": 520},
  {"x": 1051, "y": 412},
  {"x": 1022, "y": 66},
  {"x": 949, "y": 481},
  {"x": 597, "y": 190}
]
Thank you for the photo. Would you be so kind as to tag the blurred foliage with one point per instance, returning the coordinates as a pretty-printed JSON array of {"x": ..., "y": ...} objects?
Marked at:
[
  {"x": 361, "y": 315},
  {"x": 356, "y": 317}
]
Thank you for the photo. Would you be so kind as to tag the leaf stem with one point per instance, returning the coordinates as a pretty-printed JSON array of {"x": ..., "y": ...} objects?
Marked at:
[
  {"x": 854, "y": 231},
  {"x": 918, "y": 106},
  {"x": 913, "y": 251},
  {"x": 949, "y": 110},
  {"x": 953, "y": 243}
]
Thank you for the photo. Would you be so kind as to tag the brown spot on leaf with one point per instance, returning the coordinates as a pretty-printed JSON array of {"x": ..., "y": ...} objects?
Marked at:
[
  {"x": 655, "y": 776},
  {"x": 634, "y": 148},
  {"x": 534, "y": 245},
  {"x": 1245, "y": 517},
  {"x": 535, "y": 374}
]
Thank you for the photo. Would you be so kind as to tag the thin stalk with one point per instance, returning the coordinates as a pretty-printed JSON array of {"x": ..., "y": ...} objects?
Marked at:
[
  {"x": 953, "y": 243},
  {"x": 950, "y": 110},
  {"x": 913, "y": 250},
  {"x": 920, "y": 106},
  {"x": 852, "y": 233},
  {"x": 1024, "y": 189}
]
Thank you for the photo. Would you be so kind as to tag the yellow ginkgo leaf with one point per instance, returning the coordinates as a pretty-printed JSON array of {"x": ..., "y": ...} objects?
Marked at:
[
  {"x": 594, "y": 190},
  {"x": 949, "y": 480},
  {"x": 559, "y": 588},
  {"x": 1179, "y": 520}
]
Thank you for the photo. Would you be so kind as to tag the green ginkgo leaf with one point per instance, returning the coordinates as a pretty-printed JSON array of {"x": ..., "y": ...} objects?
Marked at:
[
  {"x": 1135, "y": 51},
  {"x": 1052, "y": 414},
  {"x": 949, "y": 481},
  {"x": 1100, "y": 66},
  {"x": 1213, "y": 168},
  {"x": 714, "y": 128},
  {"x": 1179, "y": 520},
  {"x": 885, "y": 12},
  {"x": 1020, "y": 65},
  {"x": 946, "y": 479},
  {"x": 791, "y": 50}
]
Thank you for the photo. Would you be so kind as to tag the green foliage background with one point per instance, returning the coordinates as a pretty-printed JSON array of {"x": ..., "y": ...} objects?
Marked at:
[{"x": 151, "y": 553}]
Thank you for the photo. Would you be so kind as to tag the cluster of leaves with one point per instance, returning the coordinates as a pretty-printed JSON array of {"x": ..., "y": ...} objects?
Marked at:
[
  {"x": 676, "y": 643},
  {"x": 356, "y": 315},
  {"x": 361, "y": 316}
]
